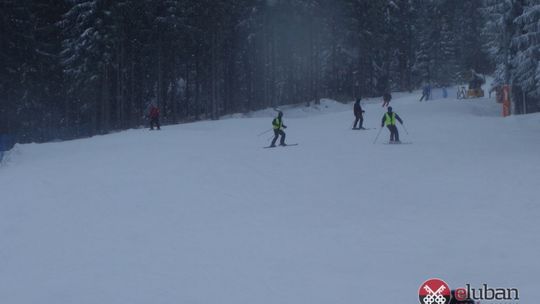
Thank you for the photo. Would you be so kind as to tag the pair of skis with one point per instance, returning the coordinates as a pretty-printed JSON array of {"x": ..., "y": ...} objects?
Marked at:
[
  {"x": 392, "y": 142},
  {"x": 287, "y": 145},
  {"x": 398, "y": 143}
]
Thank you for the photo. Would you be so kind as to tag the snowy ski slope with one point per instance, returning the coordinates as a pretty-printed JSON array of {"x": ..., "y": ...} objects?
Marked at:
[{"x": 200, "y": 213}]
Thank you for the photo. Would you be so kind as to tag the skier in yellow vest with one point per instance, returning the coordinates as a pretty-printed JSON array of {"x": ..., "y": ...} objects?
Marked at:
[
  {"x": 389, "y": 120},
  {"x": 278, "y": 126}
]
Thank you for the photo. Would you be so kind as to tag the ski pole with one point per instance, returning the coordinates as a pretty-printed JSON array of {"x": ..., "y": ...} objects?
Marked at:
[
  {"x": 377, "y": 135},
  {"x": 264, "y": 132},
  {"x": 405, "y": 129}
]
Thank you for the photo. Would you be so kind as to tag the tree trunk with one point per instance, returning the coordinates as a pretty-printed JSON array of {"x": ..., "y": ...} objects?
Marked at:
[{"x": 105, "y": 101}]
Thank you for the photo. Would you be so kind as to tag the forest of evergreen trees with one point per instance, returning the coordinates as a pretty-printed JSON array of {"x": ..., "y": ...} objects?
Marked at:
[{"x": 76, "y": 68}]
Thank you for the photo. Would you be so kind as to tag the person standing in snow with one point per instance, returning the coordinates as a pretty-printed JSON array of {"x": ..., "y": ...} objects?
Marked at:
[
  {"x": 389, "y": 120},
  {"x": 278, "y": 126},
  {"x": 359, "y": 115},
  {"x": 426, "y": 92},
  {"x": 386, "y": 99},
  {"x": 154, "y": 117}
]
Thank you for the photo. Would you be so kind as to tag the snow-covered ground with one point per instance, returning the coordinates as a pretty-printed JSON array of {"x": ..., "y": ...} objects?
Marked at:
[{"x": 200, "y": 213}]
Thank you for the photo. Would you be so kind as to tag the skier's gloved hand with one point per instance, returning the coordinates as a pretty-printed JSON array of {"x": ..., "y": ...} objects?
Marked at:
[{"x": 284, "y": 127}]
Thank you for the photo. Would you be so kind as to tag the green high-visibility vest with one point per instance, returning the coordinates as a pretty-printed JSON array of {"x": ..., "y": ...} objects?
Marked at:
[
  {"x": 277, "y": 123},
  {"x": 390, "y": 120}
]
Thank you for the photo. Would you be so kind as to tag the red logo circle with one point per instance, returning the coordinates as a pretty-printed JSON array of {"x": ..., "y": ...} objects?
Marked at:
[{"x": 434, "y": 291}]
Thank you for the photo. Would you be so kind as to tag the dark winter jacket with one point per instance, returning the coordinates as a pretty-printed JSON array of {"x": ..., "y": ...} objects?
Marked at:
[
  {"x": 387, "y": 97},
  {"x": 358, "y": 109}
]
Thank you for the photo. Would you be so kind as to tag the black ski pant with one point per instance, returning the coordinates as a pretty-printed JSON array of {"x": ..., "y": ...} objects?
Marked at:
[
  {"x": 154, "y": 121},
  {"x": 394, "y": 134},
  {"x": 277, "y": 133},
  {"x": 361, "y": 119},
  {"x": 426, "y": 96}
]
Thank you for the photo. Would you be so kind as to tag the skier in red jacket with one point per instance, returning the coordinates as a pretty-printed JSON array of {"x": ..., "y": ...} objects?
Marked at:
[{"x": 154, "y": 117}]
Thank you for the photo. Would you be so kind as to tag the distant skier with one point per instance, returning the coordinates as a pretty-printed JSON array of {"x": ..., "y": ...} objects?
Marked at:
[
  {"x": 154, "y": 117},
  {"x": 359, "y": 115},
  {"x": 426, "y": 92},
  {"x": 386, "y": 99},
  {"x": 278, "y": 126},
  {"x": 389, "y": 120}
]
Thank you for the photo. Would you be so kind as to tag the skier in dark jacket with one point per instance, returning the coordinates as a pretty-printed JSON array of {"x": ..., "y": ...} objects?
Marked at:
[
  {"x": 389, "y": 119},
  {"x": 278, "y": 126},
  {"x": 426, "y": 93},
  {"x": 386, "y": 99},
  {"x": 154, "y": 117},
  {"x": 359, "y": 115}
]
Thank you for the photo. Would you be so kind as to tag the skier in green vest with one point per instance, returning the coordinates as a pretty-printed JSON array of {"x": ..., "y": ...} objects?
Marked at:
[
  {"x": 278, "y": 126},
  {"x": 389, "y": 120}
]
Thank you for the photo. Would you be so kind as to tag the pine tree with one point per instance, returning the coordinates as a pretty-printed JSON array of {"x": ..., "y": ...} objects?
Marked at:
[
  {"x": 16, "y": 58},
  {"x": 427, "y": 28},
  {"x": 30, "y": 76},
  {"x": 498, "y": 31},
  {"x": 468, "y": 28},
  {"x": 402, "y": 28},
  {"x": 447, "y": 68},
  {"x": 87, "y": 57},
  {"x": 525, "y": 64}
]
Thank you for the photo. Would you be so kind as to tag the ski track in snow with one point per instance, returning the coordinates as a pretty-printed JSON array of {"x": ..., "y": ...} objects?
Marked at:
[{"x": 200, "y": 213}]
